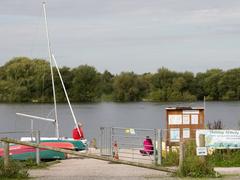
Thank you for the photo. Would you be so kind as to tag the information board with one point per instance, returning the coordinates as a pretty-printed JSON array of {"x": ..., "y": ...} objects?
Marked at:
[
  {"x": 220, "y": 139},
  {"x": 174, "y": 119},
  {"x": 186, "y": 119},
  {"x": 186, "y": 133},
  {"x": 201, "y": 151},
  {"x": 174, "y": 134},
  {"x": 194, "y": 119}
]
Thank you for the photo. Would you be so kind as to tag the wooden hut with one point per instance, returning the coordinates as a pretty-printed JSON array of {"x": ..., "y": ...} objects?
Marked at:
[{"x": 182, "y": 123}]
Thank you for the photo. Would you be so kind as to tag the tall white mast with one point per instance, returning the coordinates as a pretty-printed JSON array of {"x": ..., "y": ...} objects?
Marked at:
[
  {"x": 66, "y": 95},
  {"x": 51, "y": 67}
]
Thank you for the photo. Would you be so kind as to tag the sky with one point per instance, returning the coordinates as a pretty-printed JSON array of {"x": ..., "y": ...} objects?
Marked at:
[{"x": 125, "y": 35}]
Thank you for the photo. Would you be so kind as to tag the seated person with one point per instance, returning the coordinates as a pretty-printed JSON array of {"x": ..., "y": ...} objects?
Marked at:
[
  {"x": 148, "y": 146},
  {"x": 77, "y": 133}
]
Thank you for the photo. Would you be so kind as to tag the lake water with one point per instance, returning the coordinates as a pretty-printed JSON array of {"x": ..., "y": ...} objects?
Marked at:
[{"x": 96, "y": 115}]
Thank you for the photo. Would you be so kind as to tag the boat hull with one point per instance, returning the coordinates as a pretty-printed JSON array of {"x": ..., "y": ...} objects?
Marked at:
[{"x": 21, "y": 152}]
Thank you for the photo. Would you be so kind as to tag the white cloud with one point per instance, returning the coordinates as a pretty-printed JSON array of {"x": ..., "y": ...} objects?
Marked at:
[
  {"x": 211, "y": 16},
  {"x": 115, "y": 33}
]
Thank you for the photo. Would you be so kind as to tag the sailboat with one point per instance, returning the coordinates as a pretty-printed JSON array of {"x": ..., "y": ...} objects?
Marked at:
[{"x": 21, "y": 152}]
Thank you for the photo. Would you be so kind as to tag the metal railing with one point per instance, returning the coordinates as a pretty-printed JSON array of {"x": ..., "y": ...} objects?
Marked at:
[{"x": 129, "y": 144}]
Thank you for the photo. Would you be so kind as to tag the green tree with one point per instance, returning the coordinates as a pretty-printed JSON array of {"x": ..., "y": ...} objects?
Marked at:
[
  {"x": 211, "y": 81},
  {"x": 229, "y": 85},
  {"x": 18, "y": 74},
  {"x": 199, "y": 84},
  {"x": 128, "y": 87},
  {"x": 27, "y": 76},
  {"x": 42, "y": 84},
  {"x": 162, "y": 82},
  {"x": 207, "y": 84},
  {"x": 25, "y": 80},
  {"x": 163, "y": 78},
  {"x": 107, "y": 82},
  {"x": 172, "y": 86},
  {"x": 67, "y": 76},
  {"x": 85, "y": 84}
]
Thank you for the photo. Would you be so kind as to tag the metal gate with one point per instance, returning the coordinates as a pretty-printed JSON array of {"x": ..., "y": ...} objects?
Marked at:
[
  {"x": 128, "y": 142},
  {"x": 105, "y": 141}
]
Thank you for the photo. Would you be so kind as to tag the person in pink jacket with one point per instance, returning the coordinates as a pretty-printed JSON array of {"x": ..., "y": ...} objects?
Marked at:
[{"x": 147, "y": 146}]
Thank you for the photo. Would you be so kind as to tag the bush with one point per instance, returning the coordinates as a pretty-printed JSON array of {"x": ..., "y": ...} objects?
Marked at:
[
  {"x": 14, "y": 170},
  {"x": 193, "y": 165},
  {"x": 171, "y": 159},
  {"x": 225, "y": 158}
]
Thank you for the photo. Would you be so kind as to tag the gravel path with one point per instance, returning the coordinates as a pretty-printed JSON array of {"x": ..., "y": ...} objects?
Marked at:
[
  {"x": 228, "y": 170},
  {"x": 92, "y": 169}
]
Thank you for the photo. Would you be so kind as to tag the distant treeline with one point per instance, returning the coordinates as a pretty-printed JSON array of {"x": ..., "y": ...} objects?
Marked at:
[{"x": 29, "y": 80}]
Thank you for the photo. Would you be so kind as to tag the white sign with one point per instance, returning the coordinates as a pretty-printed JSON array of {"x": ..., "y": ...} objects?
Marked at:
[
  {"x": 201, "y": 151},
  {"x": 130, "y": 131},
  {"x": 175, "y": 119},
  {"x": 186, "y": 119},
  {"x": 174, "y": 134},
  {"x": 220, "y": 139},
  {"x": 194, "y": 119},
  {"x": 186, "y": 133},
  {"x": 190, "y": 111}
]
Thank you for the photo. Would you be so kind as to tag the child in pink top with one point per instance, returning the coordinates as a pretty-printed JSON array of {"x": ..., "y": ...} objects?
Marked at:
[{"x": 148, "y": 146}]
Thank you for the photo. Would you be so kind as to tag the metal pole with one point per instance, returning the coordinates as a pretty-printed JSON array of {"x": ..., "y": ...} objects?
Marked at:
[
  {"x": 111, "y": 141},
  {"x": 105, "y": 142},
  {"x": 154, "y": 149},
  {"x": 37, "y": 149},
  {"x": 66, "y": 95},
  {"x": 31, "y": 129},
  {"x": 204, "y": 102},
  {"x": 101, "y": 141},
  {"x": 6, "y": 154},
  {"x": 35, "y": 117},
  {"x": 159, "y": 149},
  {"x": 51, "y": 67}
]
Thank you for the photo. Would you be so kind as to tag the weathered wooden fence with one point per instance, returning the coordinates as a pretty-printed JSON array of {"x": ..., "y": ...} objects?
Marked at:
[{"x": 76, "y": 153}]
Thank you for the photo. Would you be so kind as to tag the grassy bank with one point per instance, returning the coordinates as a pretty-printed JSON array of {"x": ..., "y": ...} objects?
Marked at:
[{"x": 19, "y": 169}]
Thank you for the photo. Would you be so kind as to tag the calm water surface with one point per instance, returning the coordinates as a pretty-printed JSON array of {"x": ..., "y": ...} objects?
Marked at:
[{"x": 93, "y": 116}]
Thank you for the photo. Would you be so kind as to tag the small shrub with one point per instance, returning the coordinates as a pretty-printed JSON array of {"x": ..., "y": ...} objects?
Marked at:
[
  {"x": 215, "y": 125},
  {"x": 30, "y": 163},
  {"x": 225, "y": 158},
  {"x": 14, "y": 170},
  {"x": 193, "y": 165},
  {"x": 171, "y": 159}
]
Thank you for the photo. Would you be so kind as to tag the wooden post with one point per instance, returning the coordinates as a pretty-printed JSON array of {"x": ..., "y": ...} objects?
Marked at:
[
  {"x": 37, "y": 149},
  {"x": 165, "y": 135},
  {"x": 6, "y": 154},
  {"x": 202, "y": 143},
  {"x": 202, "y": 140},
  {"x": 181, "y": 154}
]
